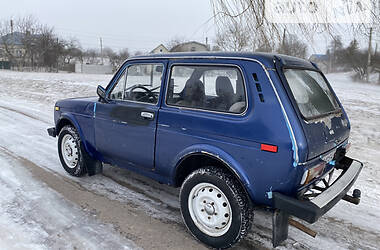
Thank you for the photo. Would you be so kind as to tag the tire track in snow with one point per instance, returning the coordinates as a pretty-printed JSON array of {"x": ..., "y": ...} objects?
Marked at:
[{"x": 22, "y": 113}]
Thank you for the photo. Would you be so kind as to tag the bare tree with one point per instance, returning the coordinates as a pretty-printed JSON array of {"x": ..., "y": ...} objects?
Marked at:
[
  {"x": 91, "y": 56},
  {"x": 124, "y": 54},
  {"x": 49, "y": 48},
  {"x": 356, "y": 59},
  {"x": 116, "y": 59},
  {"x": 234, "y": 37},
  {"x": 268, "y": 34},
  {"x": 28, "y": 27},
  {"x": 292, "y": 46},
  {"x": 138, "y": 53},
  {"x": 18, "y": 40},
  {"x": 26, "y": 42},
  {"x": 72, "y": 50}
]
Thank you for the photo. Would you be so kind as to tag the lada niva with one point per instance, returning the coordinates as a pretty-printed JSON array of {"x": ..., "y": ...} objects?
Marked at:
[{"x": 234, "y": 130}]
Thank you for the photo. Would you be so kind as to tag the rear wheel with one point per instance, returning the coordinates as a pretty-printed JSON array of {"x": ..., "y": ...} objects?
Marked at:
[
  {"x": 70, "y": 152},
  {"x": 215, "y": 208}
]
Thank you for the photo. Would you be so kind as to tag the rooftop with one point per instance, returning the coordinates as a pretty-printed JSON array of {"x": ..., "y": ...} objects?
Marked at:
[
  {"x": 265, "y": 58},
  {"x": 15, "y": 38}
]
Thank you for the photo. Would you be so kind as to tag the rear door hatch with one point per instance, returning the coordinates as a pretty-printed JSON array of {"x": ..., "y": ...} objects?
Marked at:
[{"x": 322, "y": 117}]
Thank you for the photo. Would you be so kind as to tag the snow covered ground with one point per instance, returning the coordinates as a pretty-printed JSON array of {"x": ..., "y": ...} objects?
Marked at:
[{"x": 33, "y": 215}]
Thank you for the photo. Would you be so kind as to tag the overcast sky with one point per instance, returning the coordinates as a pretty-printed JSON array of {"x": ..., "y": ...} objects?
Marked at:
[
  {"x": 134, "y": 24},
  {"x": 139, "y": 25}
]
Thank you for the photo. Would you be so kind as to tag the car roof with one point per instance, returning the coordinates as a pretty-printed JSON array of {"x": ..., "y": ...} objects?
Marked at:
[{"x": 267, "y": 59}]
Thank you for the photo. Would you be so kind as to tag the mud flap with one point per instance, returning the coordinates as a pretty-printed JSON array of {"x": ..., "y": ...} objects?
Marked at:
[
  {"x": 93, "y": 166},
  {"x": 280, "y": 227}
]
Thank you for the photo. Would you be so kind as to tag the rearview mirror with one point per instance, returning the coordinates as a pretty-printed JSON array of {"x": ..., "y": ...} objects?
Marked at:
[{"x": 101, "y": 93}]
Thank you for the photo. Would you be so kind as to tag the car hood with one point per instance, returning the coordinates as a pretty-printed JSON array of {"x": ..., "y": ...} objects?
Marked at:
[
  {"x": 71, "y": 102},
  {"x": 81, "y": 105}
]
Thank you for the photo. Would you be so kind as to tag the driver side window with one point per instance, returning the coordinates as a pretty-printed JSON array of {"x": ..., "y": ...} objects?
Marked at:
[
  {"x": 139, "y": 83},
  {"x": 143, "y": 83}
]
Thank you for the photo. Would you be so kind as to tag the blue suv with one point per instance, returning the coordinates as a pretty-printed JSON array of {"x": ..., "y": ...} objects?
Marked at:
[{"x": 234, "y": 130}]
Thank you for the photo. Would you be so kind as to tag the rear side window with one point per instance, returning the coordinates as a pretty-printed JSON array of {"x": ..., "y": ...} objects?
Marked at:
[
  {"x": 215, "y": 88},
  {"x": 311, "y": 92}
]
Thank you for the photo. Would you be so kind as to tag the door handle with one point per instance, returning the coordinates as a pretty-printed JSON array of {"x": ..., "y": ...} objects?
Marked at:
[{"x": 147, "y": 115}]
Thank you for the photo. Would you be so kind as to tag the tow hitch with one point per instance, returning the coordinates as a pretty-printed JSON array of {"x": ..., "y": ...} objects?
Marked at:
[{"x": 355, "y": 198}]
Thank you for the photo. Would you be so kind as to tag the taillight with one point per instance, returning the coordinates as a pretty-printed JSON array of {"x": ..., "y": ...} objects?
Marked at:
[
  {"x": 347, "y": 146},
  {"x": 313, "y": 172}
]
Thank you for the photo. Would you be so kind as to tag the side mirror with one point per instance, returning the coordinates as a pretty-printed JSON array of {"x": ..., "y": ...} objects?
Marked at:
[{"x": 101, "y": 93}]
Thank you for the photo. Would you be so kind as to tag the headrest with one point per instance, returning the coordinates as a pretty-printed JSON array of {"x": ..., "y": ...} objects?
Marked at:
[{"x": 223, "y": 86}]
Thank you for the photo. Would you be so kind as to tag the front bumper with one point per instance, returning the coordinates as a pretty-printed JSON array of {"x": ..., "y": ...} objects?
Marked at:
[{"x": 311, "y": 210}]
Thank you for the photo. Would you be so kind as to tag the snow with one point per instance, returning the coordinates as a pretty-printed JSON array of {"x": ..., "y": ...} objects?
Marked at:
[
  {"x": 26, "y": 110},
  {"x": 35, "y": 217}
]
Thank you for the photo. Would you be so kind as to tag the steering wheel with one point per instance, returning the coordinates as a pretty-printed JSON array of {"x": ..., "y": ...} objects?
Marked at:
[{"x": 148, "y": 93}]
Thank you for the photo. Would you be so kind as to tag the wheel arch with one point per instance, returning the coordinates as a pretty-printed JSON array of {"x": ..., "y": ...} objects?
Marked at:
[
  {"x": 201, "y": 156},
  {"x": 68, "y": 119}
]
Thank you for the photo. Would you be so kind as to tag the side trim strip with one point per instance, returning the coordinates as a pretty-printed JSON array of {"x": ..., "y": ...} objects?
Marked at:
[
  {"x": 290, "y": 129},
  {"x": 94, "y": 110}
]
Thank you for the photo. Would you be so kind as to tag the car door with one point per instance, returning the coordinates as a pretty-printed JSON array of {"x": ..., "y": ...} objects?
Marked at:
[{"x": 125, "y": 126}]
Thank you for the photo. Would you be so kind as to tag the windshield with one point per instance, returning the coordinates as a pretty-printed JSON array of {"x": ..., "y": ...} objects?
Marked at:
[{"x": 311, "y": 92}]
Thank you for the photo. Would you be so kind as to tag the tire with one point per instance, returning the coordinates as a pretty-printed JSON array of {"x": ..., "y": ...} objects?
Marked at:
[
  {"x": 71, "y": 154},
  {"x": 215, "y": 208}
]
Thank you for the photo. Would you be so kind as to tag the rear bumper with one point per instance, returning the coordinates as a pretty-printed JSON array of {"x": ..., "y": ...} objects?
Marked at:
[
  {"x": 311, "y": 210},
  {"x": 52, "y": 132}
]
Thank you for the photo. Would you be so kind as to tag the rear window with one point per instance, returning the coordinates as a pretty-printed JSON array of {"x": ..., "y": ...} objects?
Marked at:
[{"x": 311, "y": 92}]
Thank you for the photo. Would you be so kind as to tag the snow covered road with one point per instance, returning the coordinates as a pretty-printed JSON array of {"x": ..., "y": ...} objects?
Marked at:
[
  {"x": 35, "y": 217},
  {"x": 47, "y": 216}
]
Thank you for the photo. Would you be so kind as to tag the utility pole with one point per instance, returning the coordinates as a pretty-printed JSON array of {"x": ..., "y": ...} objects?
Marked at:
[
  {"x": 101, "y": 49},
  {"x": 11, "y": 26},
  {"x": 283, "y": 39},
  {"x": 369, "y": 52},
  {"x": 57, "y": 53}
]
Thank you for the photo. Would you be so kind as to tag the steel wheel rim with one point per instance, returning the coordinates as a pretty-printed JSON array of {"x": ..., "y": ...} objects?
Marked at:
[
  {"x": 69, "y": 151},
  {"x": 210, "y": 209}
]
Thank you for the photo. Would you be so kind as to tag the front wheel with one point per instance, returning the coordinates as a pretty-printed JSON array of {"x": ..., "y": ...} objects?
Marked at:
[
  {"x": 70, "y": 153},
  {"x": 215, "y": 208}
]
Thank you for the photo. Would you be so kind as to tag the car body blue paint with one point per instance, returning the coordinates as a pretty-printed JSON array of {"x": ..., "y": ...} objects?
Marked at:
[
  {"x": 176, "y": 133},
  {"x": 216, "y": 153},
  {"x": 71, "y": 118}
]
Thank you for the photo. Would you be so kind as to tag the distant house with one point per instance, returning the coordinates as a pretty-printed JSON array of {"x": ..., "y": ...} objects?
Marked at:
[
  {"x": 14, "y": 39},
  {"x": 190, "y": 46},
  {"x": 12, "y": 47},
  {"x": 12, "y": 43},
  {"x": 159, "y": 49},
  {"x": 321, "y": 60}
]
